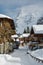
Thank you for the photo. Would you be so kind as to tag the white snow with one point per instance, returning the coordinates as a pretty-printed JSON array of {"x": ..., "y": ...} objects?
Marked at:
[
  {"x": 28, "y": 16},
  {"x": 17, "y": 39},
  {"x": 21, "y": 36},
  {"x": 10, "y": 58},
  {"x": 38, "y": 29},
  {"x": 2, "y": 59},
  {"x": 26, "y": 35},
  {"x": 18, "y": 57},
  {"x": 4, "y": 16},
  {"x": 14, "y": 36},
  {"x": 25, "y": 58},
  {"x": 38, "y": 54},
  {"x": 6, "y": 59}
]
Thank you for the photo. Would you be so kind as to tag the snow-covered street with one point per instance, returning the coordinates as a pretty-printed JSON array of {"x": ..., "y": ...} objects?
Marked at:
[
  {"x": 25, "y": 58},
  {"x": 18, "y": 57}
]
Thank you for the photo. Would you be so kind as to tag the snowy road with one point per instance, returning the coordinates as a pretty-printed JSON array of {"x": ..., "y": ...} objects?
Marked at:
[
  {"x": 18, "y": 57},
  {"x": 24, "y": 58}
]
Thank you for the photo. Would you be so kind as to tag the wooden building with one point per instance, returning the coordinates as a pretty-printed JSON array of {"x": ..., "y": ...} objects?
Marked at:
[
  {"x": 7, "y": 28},
  {"x": 6, "y": 22},
  {"x": 36, "y": 36},
  {"x": 24, "y": 38}
]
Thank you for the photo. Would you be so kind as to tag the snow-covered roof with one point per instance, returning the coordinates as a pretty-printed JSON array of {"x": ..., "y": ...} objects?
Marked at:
[
  {"x": 17, "y": 39},
  {"x": 21, "y": 36},
  {"x": 26, "y": 34},
  {"x": 14, "y": 36},
  {"x": 4, "y": 16},
  {"x": 38, "y": 29}
]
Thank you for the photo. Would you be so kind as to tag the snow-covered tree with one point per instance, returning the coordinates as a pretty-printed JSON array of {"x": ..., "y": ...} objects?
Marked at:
[
  {"x": 27, "y": 29},
  {"x": 40, "y": 21}
]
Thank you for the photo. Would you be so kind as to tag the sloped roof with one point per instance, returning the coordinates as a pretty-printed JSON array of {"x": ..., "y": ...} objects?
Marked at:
[
  {"x": 4, "y": 16},
  {"x": 14, "y": 36},
  {"x": 38, "y": 29},
  {"x": 26, "y": 34}
]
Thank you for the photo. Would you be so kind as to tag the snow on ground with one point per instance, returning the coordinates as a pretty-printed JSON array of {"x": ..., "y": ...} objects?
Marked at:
[
  {"x": 18, "y": 57},
  {"x": 10, "y": 58},
  {"x": 23, "y": 47},
  {"x": 38, "y": 54},
  {"x": 25, "y": 58},
  {"x": 6, "y": 59},
  {"x": 2, "y": 60}
]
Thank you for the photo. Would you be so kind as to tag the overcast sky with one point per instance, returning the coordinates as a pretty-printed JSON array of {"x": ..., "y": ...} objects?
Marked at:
[{"x": 11, "y": 7}]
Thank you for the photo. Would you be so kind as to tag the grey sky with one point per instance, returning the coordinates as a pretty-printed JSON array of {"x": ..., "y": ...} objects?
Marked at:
[{"x": 11, "y": 7}]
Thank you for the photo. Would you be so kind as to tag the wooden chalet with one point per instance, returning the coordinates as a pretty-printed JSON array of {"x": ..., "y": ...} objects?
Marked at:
[
  {"x": 6, "y": 22},
  {"x": 24, "y": 38},
  {"x": 36, "y": 36},
  {"x": 7, "y": 28}
]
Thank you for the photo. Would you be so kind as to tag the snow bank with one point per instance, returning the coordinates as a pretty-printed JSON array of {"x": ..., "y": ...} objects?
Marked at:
[
  {"x": 10, "y": 58},
  {"x": 38, "y": 54},
  {"x": 6, "y": 59},
  {"x": 2, "y": 59}
]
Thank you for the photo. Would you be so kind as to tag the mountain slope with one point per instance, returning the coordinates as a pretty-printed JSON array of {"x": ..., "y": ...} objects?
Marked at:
[{"x": 28, "y": 16}]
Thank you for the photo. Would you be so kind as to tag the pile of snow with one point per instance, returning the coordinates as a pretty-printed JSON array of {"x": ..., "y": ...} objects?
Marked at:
[
  {"x": 2, "y": 59},
  {"x": 29, "y": 51},
  {"x": 6, "y": 59},
  {"x": 10, "y": 58},
  {"x": 38, "y": 54}
]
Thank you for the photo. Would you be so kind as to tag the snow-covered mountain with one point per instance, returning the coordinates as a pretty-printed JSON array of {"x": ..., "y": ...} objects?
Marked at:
[{"x": 28, "y": 16}]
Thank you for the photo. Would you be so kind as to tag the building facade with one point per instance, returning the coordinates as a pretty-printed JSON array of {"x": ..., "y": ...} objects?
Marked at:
[
  {"x": 7, "y": 28},
  {"x": 36, "y": 36}
]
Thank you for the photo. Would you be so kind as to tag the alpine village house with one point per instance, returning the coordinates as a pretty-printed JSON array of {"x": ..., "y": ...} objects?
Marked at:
[
  {"x": 36, "y": 37},
  {"x": 7, "y": 28}
]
